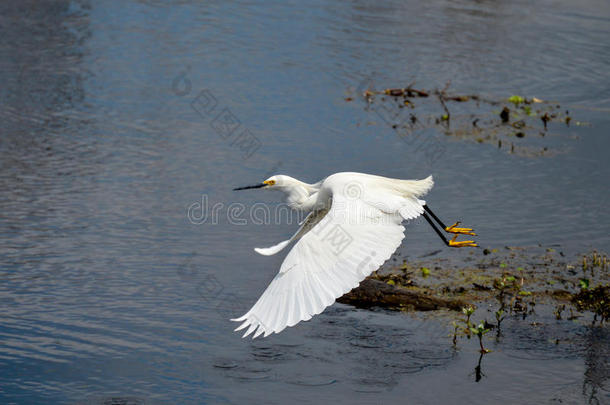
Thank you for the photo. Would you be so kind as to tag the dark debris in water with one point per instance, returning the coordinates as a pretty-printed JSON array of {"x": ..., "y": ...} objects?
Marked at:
[
  {"x": 520, "y": 126},
  {"x": 312, "y": 381},
  {"x": 596, "y": 300}
]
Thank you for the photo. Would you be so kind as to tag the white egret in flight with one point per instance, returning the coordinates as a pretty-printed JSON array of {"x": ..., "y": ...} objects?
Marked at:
[{"x": 353, "y": 225}]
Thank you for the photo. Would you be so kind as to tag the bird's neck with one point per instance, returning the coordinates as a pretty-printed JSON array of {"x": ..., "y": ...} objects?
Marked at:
[{"x": 300, "y": 196}]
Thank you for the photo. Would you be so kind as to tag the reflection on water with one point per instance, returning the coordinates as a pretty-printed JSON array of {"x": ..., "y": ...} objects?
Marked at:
[
  {"x": 109, "y": 292},
  {"x": 596, "y": 384}
]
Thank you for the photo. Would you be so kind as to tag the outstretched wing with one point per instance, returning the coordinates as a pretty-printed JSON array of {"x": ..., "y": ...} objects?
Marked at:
[
  {"x": 352, "y": 240},
  {"x": 309, "y": 222}
]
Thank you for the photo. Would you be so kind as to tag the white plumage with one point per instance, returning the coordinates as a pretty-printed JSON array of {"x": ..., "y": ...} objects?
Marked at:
[{"x": 353, "y": 226}]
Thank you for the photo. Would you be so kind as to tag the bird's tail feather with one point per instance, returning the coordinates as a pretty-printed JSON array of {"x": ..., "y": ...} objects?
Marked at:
[{"x": 416, "y": 188}]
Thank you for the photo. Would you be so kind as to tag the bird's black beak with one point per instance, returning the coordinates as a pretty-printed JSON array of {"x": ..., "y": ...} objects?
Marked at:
[{"x": 249, "y": 187}]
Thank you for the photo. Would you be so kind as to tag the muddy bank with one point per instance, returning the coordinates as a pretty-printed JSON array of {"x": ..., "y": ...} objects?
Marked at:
[
  {"x": 515, "y": 279},
  {"x": 372, "y": 292}
]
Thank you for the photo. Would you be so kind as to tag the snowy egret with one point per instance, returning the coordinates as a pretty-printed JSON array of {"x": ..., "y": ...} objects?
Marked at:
[{"x": 353, "y": 225}]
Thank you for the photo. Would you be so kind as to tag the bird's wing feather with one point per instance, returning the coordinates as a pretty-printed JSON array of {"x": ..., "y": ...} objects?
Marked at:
[
  {"x": 393, "y": 195},
  {"x": 353, "y": 239},
  {"x": 309, "y": 222}
]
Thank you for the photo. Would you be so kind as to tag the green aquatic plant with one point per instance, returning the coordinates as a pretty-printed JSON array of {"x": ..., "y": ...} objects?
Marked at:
[
  {"x": 594, "y": 260},
  {"x": 516, "y": 100},
  {"x": 470, "y": 329},
  {"x": 456, "y": 328},
  {"x": 468, "y": 311},
  {"x": 583, "y": 283},
  {"x": 479, "y": 331},
  {"x": 502, "y": 286},
  {"x": 499, "y": 314}
]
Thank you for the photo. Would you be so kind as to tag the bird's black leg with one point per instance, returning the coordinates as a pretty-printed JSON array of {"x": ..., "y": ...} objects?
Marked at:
[
  {"x": 429, "y": 211},
  {"x": 453, "y": 229},
  {"x": 433, "y": 225}
]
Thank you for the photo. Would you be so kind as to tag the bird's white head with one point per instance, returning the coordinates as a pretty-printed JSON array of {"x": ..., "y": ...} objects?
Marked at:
[
  {"x": 278, "y": 181},
  {"x": 282, "y": 181},
  {"x": 297, "y": 193}
]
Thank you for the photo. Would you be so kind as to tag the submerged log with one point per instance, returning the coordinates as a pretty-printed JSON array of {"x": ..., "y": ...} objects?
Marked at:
[{"x": 373, "y": 292}]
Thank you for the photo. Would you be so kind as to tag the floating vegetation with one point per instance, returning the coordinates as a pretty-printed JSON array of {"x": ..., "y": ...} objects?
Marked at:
[
  {"x": 596, "y": 300},
  {"x": 516, "y": 100},
  {"x": 511, "y": 280},
  {"x": 516, "y": 124}
]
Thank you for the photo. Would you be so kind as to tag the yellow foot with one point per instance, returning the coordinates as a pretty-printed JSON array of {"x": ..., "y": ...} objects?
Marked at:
[
  {"x": 463, "y": 243},
  {"x": 454, "y": 229}
]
